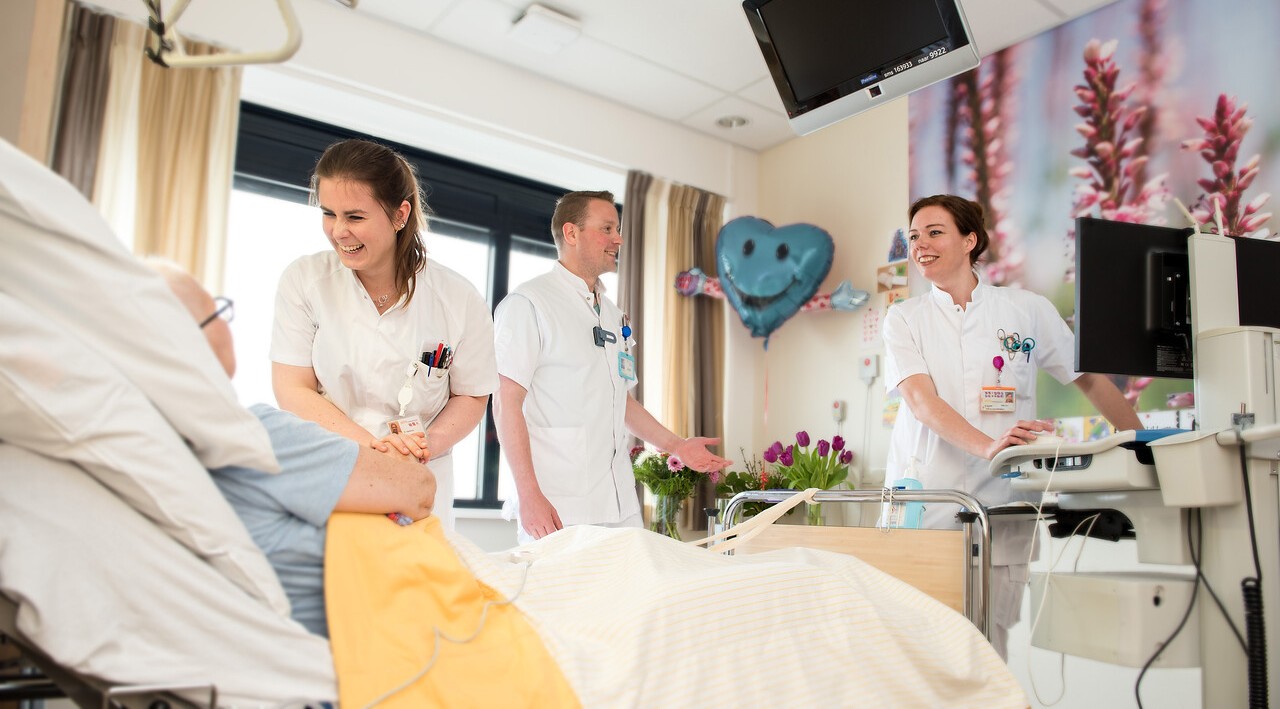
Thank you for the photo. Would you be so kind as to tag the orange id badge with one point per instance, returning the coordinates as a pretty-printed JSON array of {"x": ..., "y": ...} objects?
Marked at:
[
  {"x": 406, "y": 426},
  {"x": 997, "y": 399}
]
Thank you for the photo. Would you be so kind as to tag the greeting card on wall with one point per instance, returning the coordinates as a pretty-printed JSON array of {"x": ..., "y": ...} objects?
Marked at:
[
  {"x": 891, "y": 275},
  {"x": 895, "y": 295},
  {"x": 891, "y": 281},
  {"x": 871, "y": 318},
  {"x": 889, "y": 413},
  {"x": 1071, "y": 428}
]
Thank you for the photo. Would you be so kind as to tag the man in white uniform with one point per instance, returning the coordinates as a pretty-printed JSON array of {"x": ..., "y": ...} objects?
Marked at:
[
  {"x": 563, "y": 407},
  {"x": 964, "y": 358}
]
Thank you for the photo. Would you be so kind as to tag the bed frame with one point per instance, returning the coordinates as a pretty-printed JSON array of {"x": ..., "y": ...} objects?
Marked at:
[
  {"x": 35, "y": 676},
  {"x": 936, "y": 561}
]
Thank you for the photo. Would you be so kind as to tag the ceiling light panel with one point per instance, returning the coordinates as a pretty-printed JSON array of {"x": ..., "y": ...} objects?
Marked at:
[{"x": 545, "y": 29}]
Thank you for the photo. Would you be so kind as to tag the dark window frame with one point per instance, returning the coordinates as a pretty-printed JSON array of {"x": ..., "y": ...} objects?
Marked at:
[{"x": 276, "y": 152}]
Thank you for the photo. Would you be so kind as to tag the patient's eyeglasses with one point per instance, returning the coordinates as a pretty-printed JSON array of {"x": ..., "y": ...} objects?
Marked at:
[{"x": 226, "y": 310}]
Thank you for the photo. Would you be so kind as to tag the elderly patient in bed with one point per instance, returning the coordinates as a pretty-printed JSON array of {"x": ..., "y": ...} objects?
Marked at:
[{"x": 320, "y": 473}]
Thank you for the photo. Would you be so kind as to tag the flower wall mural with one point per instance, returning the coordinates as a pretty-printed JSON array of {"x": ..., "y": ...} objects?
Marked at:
[{"x": 1119, "y": 114}]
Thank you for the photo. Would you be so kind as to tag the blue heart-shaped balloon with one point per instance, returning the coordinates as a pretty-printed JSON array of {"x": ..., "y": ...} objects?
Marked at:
[{"x": 767, "y": 272}]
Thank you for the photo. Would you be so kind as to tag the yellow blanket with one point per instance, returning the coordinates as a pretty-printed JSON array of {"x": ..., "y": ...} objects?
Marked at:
[{"x": 388, "y": 588}]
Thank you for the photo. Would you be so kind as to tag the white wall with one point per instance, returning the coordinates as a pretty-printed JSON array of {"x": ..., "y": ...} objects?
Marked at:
[
  {"x": 15, "y": 43},
  {"x": 30, "y": 42},
  {"x": 850, "y": 179}
]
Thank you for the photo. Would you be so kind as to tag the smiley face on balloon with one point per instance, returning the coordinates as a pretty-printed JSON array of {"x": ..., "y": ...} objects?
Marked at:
[{"x": 768, "y": 273}]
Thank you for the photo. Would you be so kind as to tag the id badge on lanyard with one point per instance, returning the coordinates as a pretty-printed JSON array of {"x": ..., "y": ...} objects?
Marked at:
[
  {"x": 626, "y": 362},
  {"x": 406, "y": 425},
  {"x": 998, "y": 399},
  {"x": 626, "y": 366}
]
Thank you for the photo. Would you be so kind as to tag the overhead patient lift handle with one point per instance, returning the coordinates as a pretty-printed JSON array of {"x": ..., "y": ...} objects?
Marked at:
[
  {"x": 975, "y": 608},
  {"x": 165, "y": 49}
]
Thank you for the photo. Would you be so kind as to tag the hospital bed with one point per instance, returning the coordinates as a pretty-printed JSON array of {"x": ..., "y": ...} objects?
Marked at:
[
  {"x": 187, "y": 681},
  {"x": 121, "y": 567},
  {"x": 951, "y": 566}
]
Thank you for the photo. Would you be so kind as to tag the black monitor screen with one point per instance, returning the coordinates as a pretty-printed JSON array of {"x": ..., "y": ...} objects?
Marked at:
[
  {"x": 820, "y": 51},
  {"x": 1133, "y": 308},
  {"x": 1258, "y": 282},
  {"x": 815, "y": 38}
]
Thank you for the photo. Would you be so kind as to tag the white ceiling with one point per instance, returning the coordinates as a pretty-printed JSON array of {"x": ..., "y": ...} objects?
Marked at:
[{"x": 687, "y": 61}]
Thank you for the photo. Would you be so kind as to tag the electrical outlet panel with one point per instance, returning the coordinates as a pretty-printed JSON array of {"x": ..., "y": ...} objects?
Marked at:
[{"x": 868, "y": 367}]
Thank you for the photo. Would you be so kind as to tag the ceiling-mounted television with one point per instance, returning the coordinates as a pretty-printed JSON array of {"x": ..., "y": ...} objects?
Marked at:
[{"x": 831, "y": 59}]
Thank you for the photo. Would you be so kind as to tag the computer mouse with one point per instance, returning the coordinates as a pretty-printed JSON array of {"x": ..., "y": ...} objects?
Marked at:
[{"x": 1049, "y": 439}]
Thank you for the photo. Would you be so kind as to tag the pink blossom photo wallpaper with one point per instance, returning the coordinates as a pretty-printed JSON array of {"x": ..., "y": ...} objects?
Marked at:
[{"x": 1119, "y": 114}]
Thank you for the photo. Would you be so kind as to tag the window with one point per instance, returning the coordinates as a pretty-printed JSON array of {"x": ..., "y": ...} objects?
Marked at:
[
  {"x": 264, "y": 235},
  {"x": 491, "y": 227}
]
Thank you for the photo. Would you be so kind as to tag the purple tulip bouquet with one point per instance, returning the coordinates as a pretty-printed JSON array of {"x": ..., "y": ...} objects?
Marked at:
[{"x": 824, "y": 466}]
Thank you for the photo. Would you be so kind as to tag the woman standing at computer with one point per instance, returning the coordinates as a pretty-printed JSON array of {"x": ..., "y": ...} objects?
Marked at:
[
  {"x": 372, "y": 339},
  {"x": 964, "y": 358}
]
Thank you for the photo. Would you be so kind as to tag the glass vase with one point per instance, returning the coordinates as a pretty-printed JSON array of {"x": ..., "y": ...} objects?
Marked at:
[
  {"x": 666, "y": 515},
  {"x": 813, "y": 515}
]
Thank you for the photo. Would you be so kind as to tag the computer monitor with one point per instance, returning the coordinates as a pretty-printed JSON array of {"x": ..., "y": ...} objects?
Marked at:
[{"x": 1133, "y": 303}]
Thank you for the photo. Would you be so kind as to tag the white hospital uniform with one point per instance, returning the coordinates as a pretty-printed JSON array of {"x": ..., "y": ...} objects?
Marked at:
[
  {"x": 577, "y": 399},
  {"x": 930, "y": 334},
  {"x": 326, "y": 320}
]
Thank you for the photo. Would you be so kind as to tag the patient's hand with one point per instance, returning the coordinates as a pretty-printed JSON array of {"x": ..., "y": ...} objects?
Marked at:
[
  {"x": 414, "y": 445},
  {"x": 538, "y": 517}
]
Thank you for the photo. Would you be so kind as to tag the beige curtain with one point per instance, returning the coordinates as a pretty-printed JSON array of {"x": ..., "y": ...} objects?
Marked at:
[
  {"x": 694, "y": 346},
  {"x": 153, "y": 147},
  {"x": 82, "y": 97},
  {"x": 631, "y": 263},
  {"x": 653, "y": 335},
  {"x": 187, "y": 121},
  {"x": 116, "y": 187}
]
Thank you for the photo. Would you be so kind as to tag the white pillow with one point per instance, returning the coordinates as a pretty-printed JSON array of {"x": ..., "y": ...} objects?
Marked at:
[
  {"x": 58, "y": 399},
  {"x": 61, "y": 258},
  {"x": 104, "y": 593}
]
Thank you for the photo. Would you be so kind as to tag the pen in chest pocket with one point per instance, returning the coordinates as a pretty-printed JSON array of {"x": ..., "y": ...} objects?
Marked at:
[{"x": 438, "y": 360}]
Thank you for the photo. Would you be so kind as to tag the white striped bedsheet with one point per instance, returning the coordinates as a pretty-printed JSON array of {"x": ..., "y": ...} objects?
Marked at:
[{"x": 637, "y": 619}]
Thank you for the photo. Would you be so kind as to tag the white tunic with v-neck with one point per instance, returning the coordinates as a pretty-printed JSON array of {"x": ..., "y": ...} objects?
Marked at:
[
  {"x": 576, "y": 404},
  {"x": 326, "y": 320}
]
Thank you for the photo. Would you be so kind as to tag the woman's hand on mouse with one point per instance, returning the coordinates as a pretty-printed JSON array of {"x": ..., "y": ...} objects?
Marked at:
[{"x": 1020, "y": 433}]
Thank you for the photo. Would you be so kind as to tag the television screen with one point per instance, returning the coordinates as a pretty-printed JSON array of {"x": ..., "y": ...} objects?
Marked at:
[
  {"x": 832, "y": 59},
  {"x": 1133, "y": 307}
]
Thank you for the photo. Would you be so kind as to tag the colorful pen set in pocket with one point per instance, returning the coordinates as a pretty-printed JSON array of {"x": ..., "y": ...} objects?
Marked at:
[{"x": 439, "y": 359}]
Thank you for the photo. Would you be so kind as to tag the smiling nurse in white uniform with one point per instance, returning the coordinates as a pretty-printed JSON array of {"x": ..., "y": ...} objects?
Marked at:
[
  {"x": 964, "y": 358},
  {"x": 564, "y": 405},
  {"x": 372, "y": 340}
]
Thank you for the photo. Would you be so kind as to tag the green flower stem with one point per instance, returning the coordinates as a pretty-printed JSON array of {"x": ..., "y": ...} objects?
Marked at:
[
  {"x": 814, "y": 516},
  {"x": 666, "y": 511}
]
